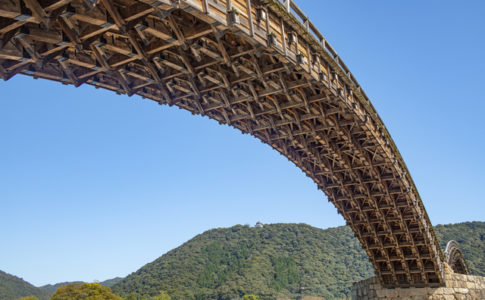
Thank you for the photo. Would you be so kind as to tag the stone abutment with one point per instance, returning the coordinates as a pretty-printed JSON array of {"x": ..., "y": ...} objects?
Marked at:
[{"x": 457, "y": 287}]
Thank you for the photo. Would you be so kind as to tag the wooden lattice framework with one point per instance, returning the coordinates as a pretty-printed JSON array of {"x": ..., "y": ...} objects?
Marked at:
[{"x": 258, "y": 65}]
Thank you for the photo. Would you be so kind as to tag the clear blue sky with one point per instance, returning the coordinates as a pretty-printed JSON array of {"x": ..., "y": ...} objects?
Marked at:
[{"x": 94, "y": 185}]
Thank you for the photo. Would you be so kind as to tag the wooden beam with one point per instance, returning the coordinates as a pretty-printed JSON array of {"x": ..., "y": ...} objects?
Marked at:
[
  {"x": 3, "y": 72},
  {"x": 38, "y": 12},
  {"x": 113, "y": 11}
]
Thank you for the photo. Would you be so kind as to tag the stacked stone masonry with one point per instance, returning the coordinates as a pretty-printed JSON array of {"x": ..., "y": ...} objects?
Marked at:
[{"x": 457, "y": 287}]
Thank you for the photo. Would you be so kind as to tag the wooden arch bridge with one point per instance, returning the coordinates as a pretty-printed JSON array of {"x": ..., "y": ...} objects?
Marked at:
[{"x": 260, "y": 66}]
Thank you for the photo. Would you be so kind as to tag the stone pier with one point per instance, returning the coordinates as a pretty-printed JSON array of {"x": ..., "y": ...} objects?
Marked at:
[{"x": 458, "y": 287}]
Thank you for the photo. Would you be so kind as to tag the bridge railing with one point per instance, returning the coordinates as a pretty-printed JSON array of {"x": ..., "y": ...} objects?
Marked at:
[{"x": 295, "y": 11}]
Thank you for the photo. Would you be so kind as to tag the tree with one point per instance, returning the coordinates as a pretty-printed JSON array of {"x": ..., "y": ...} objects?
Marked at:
[
  {"x": 250, "y": 297},
  {"x": 86, "y": 291},
  {"x": 131, "y": 296},
  {"x": 29, "y": 298},
  {"x": 162, "y": 296}
]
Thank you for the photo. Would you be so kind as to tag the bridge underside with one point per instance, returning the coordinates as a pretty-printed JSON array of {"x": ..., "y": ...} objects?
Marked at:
[{"x": 254, "y": 66}]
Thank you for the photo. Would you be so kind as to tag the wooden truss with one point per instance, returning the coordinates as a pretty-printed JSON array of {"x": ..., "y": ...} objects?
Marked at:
[{"x": 258, "y": 65}]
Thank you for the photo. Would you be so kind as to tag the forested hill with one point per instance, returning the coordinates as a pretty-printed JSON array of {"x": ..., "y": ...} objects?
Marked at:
[
  {"x": 12, "y": 287},
  {"x": 276, "y": 260}
]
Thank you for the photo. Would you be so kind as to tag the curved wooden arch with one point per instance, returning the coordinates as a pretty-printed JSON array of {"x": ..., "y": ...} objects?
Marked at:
[
  {"x": 455, "y": 259},
  {"x": 258, "y": 65}
]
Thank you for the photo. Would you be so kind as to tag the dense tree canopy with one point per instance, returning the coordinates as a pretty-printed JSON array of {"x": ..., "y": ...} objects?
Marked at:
[
  {"x": 279, "y": 260},
  {"x": 12, "y": 287},
  {"x": 250, "y": 297},
  {"x": 85, "y": 291},
  {"x": 274, "y": 261},
  {"x": 162, "y": 296}
]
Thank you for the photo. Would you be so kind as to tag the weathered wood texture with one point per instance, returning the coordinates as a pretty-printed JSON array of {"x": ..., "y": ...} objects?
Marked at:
[
  {"x": 258, "y": 65},
  {"x": 454, "y": 258}
]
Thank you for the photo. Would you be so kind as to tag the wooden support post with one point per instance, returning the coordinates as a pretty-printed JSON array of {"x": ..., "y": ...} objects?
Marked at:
[
  {"x": 3, "y": 72},
  {"x": 205, "y": 6},
  {"x": 309, "y": 59},
  {"x": 113, "y": 11},
  {"x": 67, "y": 71},
  {"x": 250, "y": 17},
  {"x": 6, "y": 37},
  {"x": 268, "y": 31},
  {"x": 27, "y": 44},
  {"x": 176, "y": 30},
  {"x": 141, "y": 53},
  {"x": 72, "y": 36},
  {"x": 283, "y": 37},
  {"x": 221, "y": 47},
  {"x": 288, "y": 5},
  {"x": 120, "y": 77}
]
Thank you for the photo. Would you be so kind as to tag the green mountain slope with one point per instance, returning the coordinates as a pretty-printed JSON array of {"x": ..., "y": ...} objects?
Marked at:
[
  {"x": 12, "y": 287},
  {"x": 110, "y": 282},
  {"x": 275, "y": 261}
]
